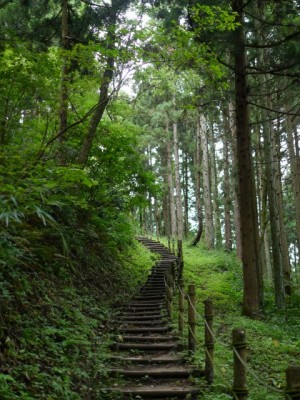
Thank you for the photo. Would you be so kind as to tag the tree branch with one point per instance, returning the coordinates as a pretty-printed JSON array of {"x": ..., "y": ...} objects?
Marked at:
[
  {"x": 95, "y": 4},
  {"x": 62, "y": 132},
  {"x": 272, "y": 110},
  {"x": 272, "y": 23},
  {"x": 274, "y": 44}
]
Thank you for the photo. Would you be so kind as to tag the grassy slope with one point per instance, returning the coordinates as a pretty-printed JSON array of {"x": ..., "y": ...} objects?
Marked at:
[
  {"x": 273, "y": 341},
  {"x": 53, "y": 340}
]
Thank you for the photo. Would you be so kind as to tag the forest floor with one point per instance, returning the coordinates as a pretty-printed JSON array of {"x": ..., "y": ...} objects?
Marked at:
[{"x": 273, "y": 340}]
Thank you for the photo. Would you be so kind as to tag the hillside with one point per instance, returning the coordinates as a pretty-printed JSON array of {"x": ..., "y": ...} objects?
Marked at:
[{"x": 55, "y": 312}]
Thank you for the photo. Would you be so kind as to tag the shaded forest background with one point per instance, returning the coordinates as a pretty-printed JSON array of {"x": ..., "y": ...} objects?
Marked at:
[{"x": 176, "y": 119}]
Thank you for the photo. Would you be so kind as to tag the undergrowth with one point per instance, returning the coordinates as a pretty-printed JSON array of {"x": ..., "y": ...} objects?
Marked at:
[
  {"x": 273, "y": 341},
  {"x": 56, "y": 306}
]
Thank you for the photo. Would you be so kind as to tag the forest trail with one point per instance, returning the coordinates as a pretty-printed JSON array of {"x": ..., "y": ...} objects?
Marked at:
[{"x": 147, "y": 354}]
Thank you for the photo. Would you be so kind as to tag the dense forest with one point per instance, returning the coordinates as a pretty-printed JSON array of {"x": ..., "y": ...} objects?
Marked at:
[{"x": 167, "y": 118}]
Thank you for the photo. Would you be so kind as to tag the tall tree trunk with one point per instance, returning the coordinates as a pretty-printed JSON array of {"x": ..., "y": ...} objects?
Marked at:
[
  {"x": 197, "y": 169},
  {"x": 165, "y": 198},
  {"x": 295, "y": 172},
  {"x": 276, "y": 146},
  {"x": 172, "y": 211},
  {"x": 271, "y": 172},
  {"x": 264, "y": 222},
  {"x": 186, "y": 195},
  {"x": 274, "y": 222},
  {"x": 157, "y": 214},
  {"x": 150, "y": 207},
  {"x": 209, "y": 227},
  {"x": 64, "y": 77},
  {"x": 227, "y": 195},
  {"x": 179, "y": 213},
  {"x": 214, "y": 188},
  {"x": 249, "y": 226},
  {"x": 235, "y": 180}
]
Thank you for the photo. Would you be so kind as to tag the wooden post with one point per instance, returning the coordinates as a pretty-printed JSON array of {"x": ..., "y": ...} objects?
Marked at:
[
  {"x": 292, "y": 391},
  {"x": 173, "y": 245},
  {"x": 169, "y": 294},
  {"x": 170, "y": 277},
  {"x": 169, "y": 243},
  {"x": 180, "y": 259},
  {"x": 173, "y": 273},
  {"x": 209, "y": 341},
  {"x": 179, "y": 246},
  {"x": 191, "y": 318},
  {"x": 181, "y": 307},
  {"x": 239, "y": 364}
]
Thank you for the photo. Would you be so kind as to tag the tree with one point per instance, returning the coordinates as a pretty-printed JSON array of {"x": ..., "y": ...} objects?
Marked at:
[{"x": 247, "y": 201}]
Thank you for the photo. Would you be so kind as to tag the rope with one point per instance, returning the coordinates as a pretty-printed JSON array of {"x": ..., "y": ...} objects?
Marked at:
[
  {"x": 254, "y": 375},
  {"x": 251, "y": 372}
]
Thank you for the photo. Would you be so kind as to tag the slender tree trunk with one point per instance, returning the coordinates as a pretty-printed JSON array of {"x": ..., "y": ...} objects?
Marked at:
[
  {"x": 227, "y": 194},
  {"x": 186, "y": 194},
  {"x": 209, "y": 227},
  {"x": 157, "y": 214},
  {"x": 279, "y": 205},
  {"x": 295, "y": 172},
  {"x": 64, "y": 77},
  {"x": 235, "y": 181},
  {"x": 165, "y": 199},
  {"x": 249, "y": 226},
  {"x": 150, "y": 206},
  {"x": 172, "y": 211},
  {"x": 104, "y": 97},
  {"x": 271, "y": 183},
  {"x": 264, "y": 222},
  {"x": 214, "y": 188},
  {"x": 274, "y": 223},
  {"x": 197, "y": 169},
  {"x": 179, "y": 213},
  {"x": 166, "y": 213},
  {"x": 141, "y": 219},
  {"x": 150, "y": 215}
]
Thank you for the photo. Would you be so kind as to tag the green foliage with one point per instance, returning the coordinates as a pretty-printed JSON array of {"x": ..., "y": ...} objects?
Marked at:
[
  {"x": 212, "y": 18},
  {"x": 54, "y": 316},
  {"x": 272, "y": 341}
]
